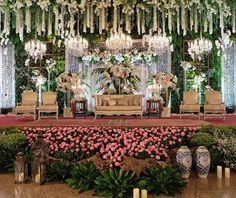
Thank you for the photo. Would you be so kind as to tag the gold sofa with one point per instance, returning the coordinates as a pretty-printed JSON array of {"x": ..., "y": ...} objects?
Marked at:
[
  {"x": 28, "y": 104},
  {"x": 49, "y": 104},
  {"x": 118, "y": 105},
  {"x": 214, "y": 104},
  {"x": 190, "y": 103}
]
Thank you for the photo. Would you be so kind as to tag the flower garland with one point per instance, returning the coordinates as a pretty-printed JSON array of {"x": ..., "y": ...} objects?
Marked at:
[
  {"x": 106, "y": 57},
  {"x": 87, "y": 12}
]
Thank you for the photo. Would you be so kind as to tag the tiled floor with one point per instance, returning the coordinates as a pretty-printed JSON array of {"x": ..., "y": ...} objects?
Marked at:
[{"x": 196, "y": 188}]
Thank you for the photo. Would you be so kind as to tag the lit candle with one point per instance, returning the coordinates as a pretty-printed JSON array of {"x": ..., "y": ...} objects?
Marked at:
[
  {"x": 135, "y": 193},
  {"x": 227, "y": 172},
  {"x": 37, "y": 178},
  {"x": 144, "y": 194},
  {"x": 21, "y": 177},
  {"x": 219, "y": 171}
]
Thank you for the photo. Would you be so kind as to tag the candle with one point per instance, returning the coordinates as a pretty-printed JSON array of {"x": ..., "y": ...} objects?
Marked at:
[
  {"x": 227, "y": 172},
  {"x": 21, "y": 177},
  {"x": 144, "y": 194},
  {"x": 37, "y": 178},
  {"x": 135, "y": 193},
  {"x": 219, "y": 171}
]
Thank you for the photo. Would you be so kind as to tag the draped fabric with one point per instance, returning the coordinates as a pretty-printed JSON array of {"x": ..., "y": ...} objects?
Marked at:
[
  {"x": 7, "y": 77},
  {"x": 229, "y": 77},
  {"x": 142, "y": 70}
]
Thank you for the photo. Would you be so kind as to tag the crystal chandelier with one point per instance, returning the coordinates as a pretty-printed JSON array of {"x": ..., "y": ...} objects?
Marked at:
[
  {"x": 119, "y": 41},
  {"x": 159, "y": 42},
  {"x": 77, "y": 44},
  {"x": 199, "y": 47},
  {"x": 36, "y": 49}
]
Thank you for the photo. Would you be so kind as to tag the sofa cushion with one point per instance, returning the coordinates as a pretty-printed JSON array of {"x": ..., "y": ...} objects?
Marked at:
[
  {"x": 214, "y": 108},
  {"x": 123, "y": 102},
  {"x": 193, "y": 108},
  {"x": 213, "y": 97},
  {"x": 111, "y": 102},
  {"x": 190, "y": 98},
  {"x": 25, "y": 109},
  {"x": 48, "y": 108},
  {"x": 118, "y": 108}
]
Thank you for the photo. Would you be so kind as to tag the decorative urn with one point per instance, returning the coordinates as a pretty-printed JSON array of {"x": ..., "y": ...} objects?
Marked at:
[
  {"x": 184, "y": 161},
  {"x": 202, "y": 161}
]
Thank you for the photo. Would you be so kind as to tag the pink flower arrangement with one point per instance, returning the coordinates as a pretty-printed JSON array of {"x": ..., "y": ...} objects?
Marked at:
[{"x": 113, "y": 144}]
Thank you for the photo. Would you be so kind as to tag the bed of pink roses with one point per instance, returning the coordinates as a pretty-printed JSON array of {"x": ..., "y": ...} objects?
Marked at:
[{"x": 113, "y": 144}]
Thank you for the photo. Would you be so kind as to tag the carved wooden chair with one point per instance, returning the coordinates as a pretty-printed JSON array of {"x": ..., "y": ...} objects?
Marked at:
[
  {"x": 190, "y": 103},
  {"x": 49, "y": 104},
  {"x": 27, "y": 105}
]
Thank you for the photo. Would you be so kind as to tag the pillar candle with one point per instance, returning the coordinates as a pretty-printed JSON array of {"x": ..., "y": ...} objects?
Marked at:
[
  {"x": 144, "y": 194},
  {"x": 219, "y": 171},
  {"x": 227, "y": 172},
  {"x": 135, "y": 193},
  {"x": 21, "y": 177},
  {"x": 37, "y": 178}
]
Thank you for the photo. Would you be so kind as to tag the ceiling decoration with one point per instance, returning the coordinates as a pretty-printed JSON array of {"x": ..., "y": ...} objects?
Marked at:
[{"x": 69, "y": 18}]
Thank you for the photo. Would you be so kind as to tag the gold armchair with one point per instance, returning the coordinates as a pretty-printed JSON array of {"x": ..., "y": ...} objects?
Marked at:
[
  {"x": 49, "y": 104},
  {"x": 190, "y": 103},
  {"x": 28, "y": 104},
  {"x": 214, "y": 104}
]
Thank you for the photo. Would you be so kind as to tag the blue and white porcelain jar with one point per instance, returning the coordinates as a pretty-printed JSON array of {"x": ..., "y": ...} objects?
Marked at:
[
  {"x": 203, "y": 161},
  {"x": 184, "y": 161}
]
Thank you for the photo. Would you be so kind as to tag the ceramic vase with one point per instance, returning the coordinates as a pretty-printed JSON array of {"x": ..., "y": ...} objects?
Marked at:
[
  {"x": 202, "y": 161},
  {"x": 184, "y": 161}
]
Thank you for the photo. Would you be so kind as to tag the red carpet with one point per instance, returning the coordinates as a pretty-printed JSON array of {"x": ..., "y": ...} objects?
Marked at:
[{"x": 118, "y": 121}]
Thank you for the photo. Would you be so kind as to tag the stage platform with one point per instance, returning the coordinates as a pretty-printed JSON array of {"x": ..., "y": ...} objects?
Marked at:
[{"x": 116, "y": 121}]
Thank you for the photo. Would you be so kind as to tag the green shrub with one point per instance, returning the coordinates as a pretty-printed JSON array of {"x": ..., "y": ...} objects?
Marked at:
[
  {"x": 115, "y": 183},
  {"x": 83, "y": 176},
  {"x": 10, "y": 145},
  {"x": 158, "y": 180},
  {"x": 202, "y": 139},
  {"x": 59, "y": 171},
  {"x": 9, "y": 130}
]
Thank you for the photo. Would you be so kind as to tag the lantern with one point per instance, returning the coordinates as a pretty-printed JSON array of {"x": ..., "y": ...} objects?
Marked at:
[
  {"x": 39, "y": 174},
  {"x": 40, "y": 160},
  {"x": 21, "y": 168}
]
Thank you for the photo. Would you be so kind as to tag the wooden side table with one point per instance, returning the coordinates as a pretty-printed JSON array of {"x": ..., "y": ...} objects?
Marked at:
[
  {"x": 79, "y": 107},
  {"x": 154, "y": 106}
]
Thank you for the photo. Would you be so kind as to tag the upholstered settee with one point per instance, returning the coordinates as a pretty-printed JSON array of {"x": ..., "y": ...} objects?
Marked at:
[{"x": 118, "y": 105}]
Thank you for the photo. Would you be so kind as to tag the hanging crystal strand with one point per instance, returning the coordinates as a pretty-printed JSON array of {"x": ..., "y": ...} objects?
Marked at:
[
  {"x": 143, "y": 22},
  {"x": 17, "y": 21},
  {"x": 183, "y": 18},
  {"x": 43, "y": 22},
  {"x": 49, "y": 23},
  {"x": 92, "y": 19},
  {"x": 106, "y": 22},
  {"x": 78, "y": 22},
  {"x": 28, "y": 20},
  {"x": 195, "y": 21},
  {"x": 6, "y": 27},
  {"x": 221, "y": 23},
  {"x": 115, "y": 18},
  {"x": 233, "y": 21},
  {"x": 211, "y": 24},
  {"x": 100, "y": 20},
  {"x": 169, "y": 21},
  {"x": 88, "y": 16},
  {"x": 205, "y": 23},
  {"x": 85, "y": 21},
  {"x": 38, "y": 24},
  {"x": 163, "y": 23},
  {"x": 127, "y": 23},
  {"x": 0, "y": 20},
  {"x": 56, "y": 13},
  {"x": 103, "y": 19},
  {"x": 138, "y": 20},
  {"x": 178, "y": 22}
]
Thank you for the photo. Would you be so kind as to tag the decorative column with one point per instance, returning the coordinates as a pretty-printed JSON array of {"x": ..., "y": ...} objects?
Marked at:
[
  {"x": 228, "y": 76},
  {"x": 7, "y": 77}
]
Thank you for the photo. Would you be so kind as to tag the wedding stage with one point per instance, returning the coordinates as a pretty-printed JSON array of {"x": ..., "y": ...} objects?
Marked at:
[{"x": 117, "y": 121}]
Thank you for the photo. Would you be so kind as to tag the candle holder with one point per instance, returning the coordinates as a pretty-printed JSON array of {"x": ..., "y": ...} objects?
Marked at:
[{"x": 21, "y": 169}]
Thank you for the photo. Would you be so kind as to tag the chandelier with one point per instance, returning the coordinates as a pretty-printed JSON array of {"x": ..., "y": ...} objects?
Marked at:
[
  {"x": 198, "y": 47},
  {"x": 119, "y": 41},
  {"x": 77, "y": 44},
  {"x": 36, "y": 49},
  {"x": 158, "y": 42}
]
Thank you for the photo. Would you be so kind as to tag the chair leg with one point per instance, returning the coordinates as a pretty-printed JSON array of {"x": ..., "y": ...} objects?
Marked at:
[
  {"x": 39, "y": 115},
  {"x": 57, "y": 115},
  {"x": 95, "y": 117},
  {"x": 141, "y": 116},
  {"x": 180, "y": 115}
]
